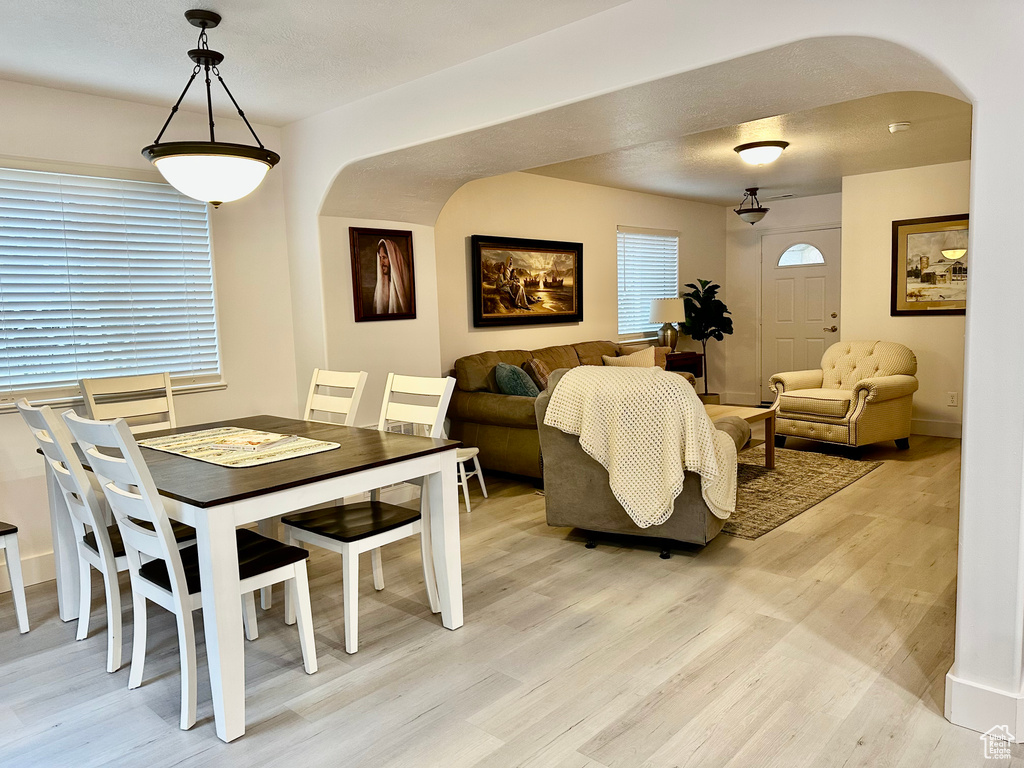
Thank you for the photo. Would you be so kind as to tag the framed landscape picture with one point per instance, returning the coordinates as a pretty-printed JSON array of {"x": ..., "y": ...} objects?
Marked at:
[
  {"x": 383, "y": 279},
  {"x": 516, "y": 281},
  {"x": 929, "y": 266}
]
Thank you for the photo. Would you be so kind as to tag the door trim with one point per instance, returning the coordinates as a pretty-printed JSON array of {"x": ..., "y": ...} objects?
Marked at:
[{"x": 758, "y": 394}]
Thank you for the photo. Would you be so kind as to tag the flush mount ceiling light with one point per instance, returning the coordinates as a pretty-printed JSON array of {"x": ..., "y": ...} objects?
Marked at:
[
  {"x": 754, "y": 212},
  {"x": 761, "y": 152},
  {"x": 212, "y": 171}
]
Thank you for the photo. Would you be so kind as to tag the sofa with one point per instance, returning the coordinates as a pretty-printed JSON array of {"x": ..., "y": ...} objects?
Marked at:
[
  {"x": 577, "y": 494},
  {"x": 504, "y": 427},
  {"x": 863, "y": 393}
]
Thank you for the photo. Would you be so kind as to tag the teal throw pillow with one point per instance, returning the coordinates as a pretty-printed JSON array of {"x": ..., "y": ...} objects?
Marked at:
[{"x": 513, "y": 380}]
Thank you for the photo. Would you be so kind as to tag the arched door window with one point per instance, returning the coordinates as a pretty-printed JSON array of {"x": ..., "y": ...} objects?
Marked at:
[{"x": 800, "y": 255}]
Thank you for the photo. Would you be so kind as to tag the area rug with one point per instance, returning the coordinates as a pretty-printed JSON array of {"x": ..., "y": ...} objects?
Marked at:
[{"x": 767, "y": 498}]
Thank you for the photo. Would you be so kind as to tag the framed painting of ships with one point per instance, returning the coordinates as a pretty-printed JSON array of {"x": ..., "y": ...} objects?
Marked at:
[{"x": 516, "y": 281}]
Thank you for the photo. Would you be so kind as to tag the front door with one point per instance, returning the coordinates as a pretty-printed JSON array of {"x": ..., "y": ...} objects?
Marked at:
[{"x": 800, "y": 273}]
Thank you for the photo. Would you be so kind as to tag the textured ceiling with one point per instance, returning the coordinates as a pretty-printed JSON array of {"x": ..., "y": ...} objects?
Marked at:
[
  {"x": 826, "y": 144},
  {"x": 285, "y": 59},
  {"x": 413, "y": 183}
]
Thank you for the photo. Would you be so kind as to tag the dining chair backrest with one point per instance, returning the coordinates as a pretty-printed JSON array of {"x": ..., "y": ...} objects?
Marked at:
[
  {"x": 54, "y": 440},
  {"x": 144, "y": 400},
  {"x": 113, "y": 455},
  {"x": 430, "y": 417},
  {"x": 324, "y": 402}
]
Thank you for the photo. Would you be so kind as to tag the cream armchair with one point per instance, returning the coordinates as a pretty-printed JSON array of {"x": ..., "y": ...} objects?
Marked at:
[{"x": 863, "y": 393}]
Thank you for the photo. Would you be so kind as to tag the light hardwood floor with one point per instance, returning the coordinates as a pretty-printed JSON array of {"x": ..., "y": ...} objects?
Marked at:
[{"x": 823, "y": 643}]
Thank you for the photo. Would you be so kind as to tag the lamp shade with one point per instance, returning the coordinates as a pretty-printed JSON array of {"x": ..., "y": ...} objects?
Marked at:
[
  {"x": 668, "y": 310},
  {"x": 761, "y": 152}
]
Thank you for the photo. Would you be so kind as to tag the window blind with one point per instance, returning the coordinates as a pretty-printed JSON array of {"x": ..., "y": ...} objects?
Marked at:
[
  {"x": 102, "y": 277},
  {"x": 648, "y": 269}
]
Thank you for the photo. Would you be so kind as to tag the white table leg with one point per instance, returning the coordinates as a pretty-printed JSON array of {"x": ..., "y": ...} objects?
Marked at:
[
  {"x": 443, "y": 513},
  {"x": 65, "y": 551},
  {"x": 222, "y": 618}
]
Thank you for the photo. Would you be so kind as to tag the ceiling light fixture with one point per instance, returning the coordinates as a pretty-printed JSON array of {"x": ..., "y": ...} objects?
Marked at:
[
  {"x": 754, "y": 212},
  {"x": 212, "y": 171},
  {"x": 761, "y": 152},
  {"x": 956, "y": 245}
]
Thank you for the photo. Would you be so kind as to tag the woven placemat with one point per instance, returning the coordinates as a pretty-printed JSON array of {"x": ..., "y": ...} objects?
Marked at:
[{"x": 201, "y": 445}]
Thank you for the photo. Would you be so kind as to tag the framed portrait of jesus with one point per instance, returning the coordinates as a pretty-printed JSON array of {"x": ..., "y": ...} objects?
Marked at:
[{"x": 383, "y": 278}]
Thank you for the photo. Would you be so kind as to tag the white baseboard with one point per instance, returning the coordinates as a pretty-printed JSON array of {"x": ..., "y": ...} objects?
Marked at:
[
  {"x": 34, "y": 570},
  {"x": 40, "y": 568},
  {"x": 980, "y": 708},
  {"x": 936, "y": 428}
]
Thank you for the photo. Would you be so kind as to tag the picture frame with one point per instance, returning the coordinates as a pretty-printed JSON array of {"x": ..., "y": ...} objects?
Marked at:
[
  {"x": 522, "y": 281},
  {"x": 929, "y": 266},
  {"x": 383, "y": 275}
]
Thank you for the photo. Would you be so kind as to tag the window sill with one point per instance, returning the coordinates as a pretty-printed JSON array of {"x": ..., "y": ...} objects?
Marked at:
[{"x": 7, "y": 405}]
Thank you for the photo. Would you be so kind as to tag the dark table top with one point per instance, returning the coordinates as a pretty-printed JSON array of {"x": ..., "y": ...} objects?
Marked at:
[{"x": 202, "y": 484}]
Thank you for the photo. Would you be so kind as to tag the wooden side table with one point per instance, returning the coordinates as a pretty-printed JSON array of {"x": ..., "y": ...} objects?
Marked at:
[
  {"x": 689, "y": 362},
  {"x": 751, "y": 416}
]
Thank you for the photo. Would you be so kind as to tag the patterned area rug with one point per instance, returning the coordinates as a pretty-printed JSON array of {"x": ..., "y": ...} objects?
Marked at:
[{"x": 768, "y": 498}]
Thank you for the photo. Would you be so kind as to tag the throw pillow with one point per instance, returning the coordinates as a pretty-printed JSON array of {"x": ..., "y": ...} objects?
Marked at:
[
  {"x": 513, "y": 380},
  {"x": 645, "y": 358},
  {"x": 538, "y": 371}
]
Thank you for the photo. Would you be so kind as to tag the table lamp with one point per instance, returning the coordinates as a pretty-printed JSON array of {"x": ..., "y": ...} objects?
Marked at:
[{"x": 668, "y": 311}]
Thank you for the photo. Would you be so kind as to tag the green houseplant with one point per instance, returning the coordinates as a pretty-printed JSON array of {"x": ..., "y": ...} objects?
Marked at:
[{"x": 706, "y": 318}]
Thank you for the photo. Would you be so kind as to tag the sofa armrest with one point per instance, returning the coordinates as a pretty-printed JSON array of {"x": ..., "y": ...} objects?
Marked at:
[
  {"x": 489, "y": 408},
  {"x": 736, "y": 428},
  {"x": 881, "y": 388},
  {"x": 780, "y": 382}
]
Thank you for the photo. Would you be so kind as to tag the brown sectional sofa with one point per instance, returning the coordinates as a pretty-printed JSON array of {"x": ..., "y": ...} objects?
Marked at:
[{"x": 504, "y": 427}]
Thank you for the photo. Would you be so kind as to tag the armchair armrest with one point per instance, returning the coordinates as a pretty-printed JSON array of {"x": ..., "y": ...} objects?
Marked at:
[
  {"x": 886, "y": 387},
  {"x": 780, "y": 382}
]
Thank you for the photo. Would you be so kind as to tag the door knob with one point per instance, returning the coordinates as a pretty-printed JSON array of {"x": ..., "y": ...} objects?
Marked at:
[
  {"x": 833, "y": 329},
  {"x": 834, "y": 315}
]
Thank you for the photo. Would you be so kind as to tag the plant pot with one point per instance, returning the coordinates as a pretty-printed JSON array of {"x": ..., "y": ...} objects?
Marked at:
[{"x": 712, "y": 398}]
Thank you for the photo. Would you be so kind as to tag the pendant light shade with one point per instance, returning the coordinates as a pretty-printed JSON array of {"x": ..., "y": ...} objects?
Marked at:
[
  {"x": 212, "y": 171},
  {"x": 754, "y": 212}
]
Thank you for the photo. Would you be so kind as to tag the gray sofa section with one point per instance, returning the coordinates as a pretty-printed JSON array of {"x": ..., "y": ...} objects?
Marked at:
[{"x": 577, "y": 493}]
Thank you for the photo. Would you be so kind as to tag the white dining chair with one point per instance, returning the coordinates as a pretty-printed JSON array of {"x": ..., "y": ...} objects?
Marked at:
[
  {"x": 170, "y": 578},
  {"x": 321, "y": 401},
  {"x": 144, "y": 400},
  {"x": 463, "y": 456},
  {"x": 351, "y": 529},
  {"x": 12, "y": 553},
  {"x": 98, "y": 544}
]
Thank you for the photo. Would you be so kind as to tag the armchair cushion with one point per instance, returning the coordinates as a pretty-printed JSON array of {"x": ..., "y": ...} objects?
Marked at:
[
  {"x": 846, "y": 363},
  {"x": 886, "y": 387},
  {"x": 795, "y": 380},
  {"x": 816, "y": 402}
]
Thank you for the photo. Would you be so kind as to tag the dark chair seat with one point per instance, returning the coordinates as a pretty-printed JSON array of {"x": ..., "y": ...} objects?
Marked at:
[
  {"x": 7, "y": 528},
  {"x": 351, "y": 522},
  {"x": 256, "y": 554},
  {"x": 181, "y": 531}
]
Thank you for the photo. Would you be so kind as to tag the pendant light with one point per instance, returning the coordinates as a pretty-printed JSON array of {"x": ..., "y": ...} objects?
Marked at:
[
  {"x": 212, "y": 171},
  {"x": 761, "y": 152},
  {"x": 754, "y": 212}
]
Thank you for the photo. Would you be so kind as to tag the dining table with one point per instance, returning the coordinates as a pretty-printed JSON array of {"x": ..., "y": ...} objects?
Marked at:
[{"x": 216, "y": 500}]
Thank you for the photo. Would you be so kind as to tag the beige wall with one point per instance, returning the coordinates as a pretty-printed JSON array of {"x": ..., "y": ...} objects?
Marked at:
[
  {"x": 403, "y": 346},
  {"x": 743, "y": 275},
  {"x": 250, "y": 264},
  {"x": 526, "y": 205},
  {"x": 871, "y": 203}
]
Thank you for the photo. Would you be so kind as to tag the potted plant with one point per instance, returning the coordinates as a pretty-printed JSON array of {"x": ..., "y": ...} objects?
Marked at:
[{"x": 706, "y": 319}]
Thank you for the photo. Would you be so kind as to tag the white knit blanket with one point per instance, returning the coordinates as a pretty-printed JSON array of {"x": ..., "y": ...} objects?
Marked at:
[{"x": 645, "y": 426}]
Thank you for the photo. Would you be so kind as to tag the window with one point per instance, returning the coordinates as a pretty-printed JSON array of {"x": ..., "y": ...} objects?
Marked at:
[
  {"x": 648, "y": 269},
  {"x": 101, "y": 277},
  {"x": 801, "y": 255}
]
